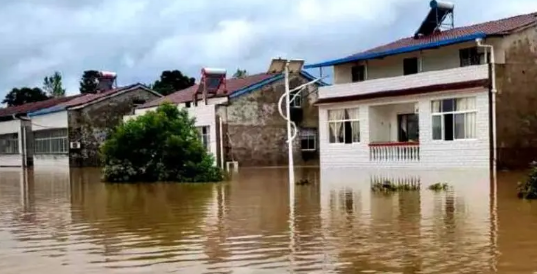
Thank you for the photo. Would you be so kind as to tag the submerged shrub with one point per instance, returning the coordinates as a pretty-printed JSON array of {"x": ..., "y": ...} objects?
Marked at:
[
  {"x": 439, "y": 187},
  {"x": 528, "y": 189},
  {"x": 161, "y": 145},
  {"x": 388, "y": 186}
]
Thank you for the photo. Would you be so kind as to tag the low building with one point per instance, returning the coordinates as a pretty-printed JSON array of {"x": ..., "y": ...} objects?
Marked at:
[
  {"x": 71, "y": 133},
  {"x": 431, "y": 100},
  {"x": 241, "y": 122},
  {"x": 15, "y": 150}
]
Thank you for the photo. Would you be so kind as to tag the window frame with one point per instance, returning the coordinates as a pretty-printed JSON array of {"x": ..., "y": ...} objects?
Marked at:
[
  {"x": 297, "y": 103},
  {"x": 405, "y": 64},
  {"x": 308, "y": 133},
  {"x": 10, "y": 138},
  {"x": 45, "y": 145},
  {"x": 469, "y": 59},
  {"x": 454, "y": 112},
  {"x": 207, "y": 135},
  {"x": 344, "y": 121},
  {"x": 354, "y": 72}
]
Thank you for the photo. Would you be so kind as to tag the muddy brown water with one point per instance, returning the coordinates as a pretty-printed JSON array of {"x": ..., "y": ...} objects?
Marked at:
[{"x": 67, "y": 221}]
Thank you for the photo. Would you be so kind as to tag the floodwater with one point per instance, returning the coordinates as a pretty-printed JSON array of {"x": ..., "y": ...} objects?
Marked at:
[{"x": 67, "y": 221}]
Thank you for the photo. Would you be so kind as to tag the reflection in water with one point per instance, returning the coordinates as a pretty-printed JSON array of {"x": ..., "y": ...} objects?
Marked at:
[{"x": 67, "y": 221}]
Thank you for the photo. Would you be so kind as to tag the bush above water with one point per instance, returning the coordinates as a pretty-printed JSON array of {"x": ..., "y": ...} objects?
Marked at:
[
  {"x": 161, "y": 145},
  {"x": 528, "y": 189}
]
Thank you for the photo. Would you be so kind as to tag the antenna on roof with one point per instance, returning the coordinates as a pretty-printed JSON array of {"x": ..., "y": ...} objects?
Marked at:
[
  {"x": 440, "y": 17},
  {"x": 212, "y": 79}
]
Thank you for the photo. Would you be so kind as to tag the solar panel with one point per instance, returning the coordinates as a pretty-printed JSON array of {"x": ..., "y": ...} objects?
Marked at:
[{"x": 440, "y": 11}]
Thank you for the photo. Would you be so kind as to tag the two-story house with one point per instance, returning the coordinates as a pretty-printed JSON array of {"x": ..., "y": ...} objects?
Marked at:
[
  {"x": 240, "y": 122},
  {"x": 463, "y": 97}
]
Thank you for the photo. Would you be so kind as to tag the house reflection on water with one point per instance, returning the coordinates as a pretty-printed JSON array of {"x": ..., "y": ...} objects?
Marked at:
[{"x": 66, "y": 220}]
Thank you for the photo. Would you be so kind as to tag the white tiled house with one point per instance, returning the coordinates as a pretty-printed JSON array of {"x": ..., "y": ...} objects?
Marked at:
[{"x": 424, "y": 102}]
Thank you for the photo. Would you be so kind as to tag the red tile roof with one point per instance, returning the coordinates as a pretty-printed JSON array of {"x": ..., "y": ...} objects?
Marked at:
[
  {"x": 26, "y": 108},
  {"x": 88, "y": 98},
  {"x": 232, "y": 85},
  {"x": 497, "y": 27}
]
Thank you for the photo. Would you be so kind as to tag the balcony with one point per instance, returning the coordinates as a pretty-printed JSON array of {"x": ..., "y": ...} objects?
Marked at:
[
  {"x": 383, "y": 86},
  {"x": 394, "y": 152}
]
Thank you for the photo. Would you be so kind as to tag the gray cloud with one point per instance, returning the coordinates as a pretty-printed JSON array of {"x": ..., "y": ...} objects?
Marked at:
[{"x": 140, "y": 38}]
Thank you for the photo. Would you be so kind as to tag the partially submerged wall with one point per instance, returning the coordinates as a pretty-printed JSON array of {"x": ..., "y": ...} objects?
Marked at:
[
  {"x": 517, "y": 101},
  {"x": 256, "y": 134},
  {"x": 91, "y": 125}
]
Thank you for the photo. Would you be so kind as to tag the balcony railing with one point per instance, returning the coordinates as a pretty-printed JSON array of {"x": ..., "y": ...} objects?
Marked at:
[
  {"x": 422, "y": 79},
  {"x": 394, "y": 152}
]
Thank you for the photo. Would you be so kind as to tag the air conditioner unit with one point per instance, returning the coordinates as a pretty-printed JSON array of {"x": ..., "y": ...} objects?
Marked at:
[{"x": 74, "y": 145}]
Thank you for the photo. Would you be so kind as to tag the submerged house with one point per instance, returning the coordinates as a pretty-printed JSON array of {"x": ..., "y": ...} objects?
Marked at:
[
  {"x": 66, "y": 131},
  {"x": 71, "y": 133},
  {"x": 455, "y": 97},
  {"x": 15, "y": 149},
  {"x": 240, "y": 122}
]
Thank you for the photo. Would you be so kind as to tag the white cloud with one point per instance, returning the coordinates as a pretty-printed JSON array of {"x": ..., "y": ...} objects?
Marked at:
[{"x": 140, "y": 38}]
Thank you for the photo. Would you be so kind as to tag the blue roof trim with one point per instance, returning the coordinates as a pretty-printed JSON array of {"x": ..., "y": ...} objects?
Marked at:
[
  {"x": 46, "y": 111},
  {"x": 368, "y": 56},
  {"x": 256, "y": 86},
  {"x": 267, "y": 81}
]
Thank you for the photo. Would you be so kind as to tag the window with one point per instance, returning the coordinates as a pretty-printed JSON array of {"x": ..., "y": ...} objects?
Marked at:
[
  {"x": 297, "y": 102},
  {"x": 454, "y": 119},
  {"x": 205, "y": 136},
  {"x": 308, "y": 139},
  {"x": 9, "y": 143},
  {"x": 410, "y": 66},
  {"x": 51, "y": 141},
  {"x": 469, "y": 57},
  {"x": 358, "y": 73},
  {"x": 187, "y": 104},
  {"x": 408, "y": 127},
  {"x": 344, "y": 125}
]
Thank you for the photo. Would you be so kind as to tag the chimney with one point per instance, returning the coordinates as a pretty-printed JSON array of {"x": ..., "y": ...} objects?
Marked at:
[{"x": 106, "y": 81}]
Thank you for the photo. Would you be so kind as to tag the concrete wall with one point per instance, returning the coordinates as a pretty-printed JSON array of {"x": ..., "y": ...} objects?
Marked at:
[
  {"x": 91, "y": 125},
  {"x": 383, "y": 121},
  {"x": 517, "y": 100},
  {"x": 431, "y": 60},
  {"x": 257, "y": 134},
  {"x": 9, "y": 127},
  {"x": 433, "y": 154},
  {"x": 57, "y": 120}
]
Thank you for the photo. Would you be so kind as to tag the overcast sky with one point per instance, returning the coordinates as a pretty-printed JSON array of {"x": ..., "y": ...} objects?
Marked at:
[{"x": 140, "y": 38}]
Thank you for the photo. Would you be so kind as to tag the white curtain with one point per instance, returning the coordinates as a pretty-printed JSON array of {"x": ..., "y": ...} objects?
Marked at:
[
  {"x": 353, "y": 113},
  {"x": 435, "y": 105},
  {"x": 465, "y": 104},
  {"x": 335, "y": 117},
  {"x": 470, "y": 125}
]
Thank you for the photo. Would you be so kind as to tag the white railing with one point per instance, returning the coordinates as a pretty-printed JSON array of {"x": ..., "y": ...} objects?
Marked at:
[
  {"x": 422, "y": 79},
  {"x": 394, "y": 152}
]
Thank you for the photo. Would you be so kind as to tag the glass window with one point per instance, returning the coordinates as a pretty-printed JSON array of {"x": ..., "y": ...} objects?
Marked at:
[
  {"x": 344, "y": 125},
  {"x": 51, "y": 141},
  {"x": 454, "y": 119}
]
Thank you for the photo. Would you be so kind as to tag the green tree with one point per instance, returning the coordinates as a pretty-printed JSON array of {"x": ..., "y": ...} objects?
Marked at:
[
  {"x": 240, "y": 73},
  {"x": 89, "y": 81},
  {"x": 53, "y": 86},
  {"x": 171, "y": 81},
  {"x": 21, "y": 96},
  {"x": 161, "y": 145}
]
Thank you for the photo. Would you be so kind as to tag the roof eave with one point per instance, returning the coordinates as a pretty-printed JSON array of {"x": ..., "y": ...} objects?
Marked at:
[
  {"x": 406, "y": 92},
  {"x": 376, "y": 55}
]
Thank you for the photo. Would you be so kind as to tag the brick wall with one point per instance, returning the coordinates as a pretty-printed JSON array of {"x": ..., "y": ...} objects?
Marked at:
[
  {"x": 91, "y": 125},
  {"x": 257, "y": 134},
  {"x": 517, "y": 101}
]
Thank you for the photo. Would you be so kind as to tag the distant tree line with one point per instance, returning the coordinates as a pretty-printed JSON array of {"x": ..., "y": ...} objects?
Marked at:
[{"x": 169, "y": 81}]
